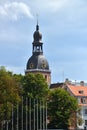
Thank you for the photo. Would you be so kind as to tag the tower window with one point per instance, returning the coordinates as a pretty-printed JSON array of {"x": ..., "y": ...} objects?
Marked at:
[
  {"x": 38, "y": 48},
  {"x": 46, "y": 77}
]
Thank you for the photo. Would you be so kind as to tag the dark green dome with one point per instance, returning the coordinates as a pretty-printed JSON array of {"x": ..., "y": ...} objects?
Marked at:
[{"x": 37, "y": 62}]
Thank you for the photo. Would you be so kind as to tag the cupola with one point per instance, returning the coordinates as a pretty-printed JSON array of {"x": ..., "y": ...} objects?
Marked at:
[{"x": 38, "y": 63}]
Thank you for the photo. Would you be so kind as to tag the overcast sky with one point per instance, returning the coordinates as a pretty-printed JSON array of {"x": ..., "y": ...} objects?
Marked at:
[{"x": 63, "y": 24}]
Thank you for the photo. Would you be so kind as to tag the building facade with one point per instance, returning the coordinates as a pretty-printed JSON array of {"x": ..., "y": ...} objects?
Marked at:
[
  {"x": 80, "y": 93},
  {"x": 37, "y": 63}
]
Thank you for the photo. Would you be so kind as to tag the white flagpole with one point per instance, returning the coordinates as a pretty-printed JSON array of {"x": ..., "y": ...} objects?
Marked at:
[
  {"x": 30, "y": 114},
  {"x": 22, "y": 114},
  {"x": 34, "y": 114},
  {"x": 40, "y": 115},
  {"x": 37, "y": 114},
  {"x": 43, "y": 115},
  {"x": 17, "y": 116},
  {"x": 12, "y": 116},
  {"x": 26, "y": 113},
  {"x": 7, "y": 125},
  {"x": 2, "y": 125},
  {"x": 46, "y": 115}
]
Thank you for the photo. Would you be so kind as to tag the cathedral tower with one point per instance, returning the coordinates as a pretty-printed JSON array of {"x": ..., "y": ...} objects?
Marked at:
[{"x": 37, "y": 63}]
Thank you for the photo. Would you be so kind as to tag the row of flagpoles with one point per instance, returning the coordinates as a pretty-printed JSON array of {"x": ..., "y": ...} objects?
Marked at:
[{"x": 39, "y": 115}]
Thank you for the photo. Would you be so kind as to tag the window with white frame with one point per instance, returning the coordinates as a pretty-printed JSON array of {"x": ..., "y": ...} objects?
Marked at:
[{"x": 83, "y": 100}]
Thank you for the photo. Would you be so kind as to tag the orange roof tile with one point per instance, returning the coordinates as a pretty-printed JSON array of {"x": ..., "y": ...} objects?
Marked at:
[{"x": 78, "y": 90}]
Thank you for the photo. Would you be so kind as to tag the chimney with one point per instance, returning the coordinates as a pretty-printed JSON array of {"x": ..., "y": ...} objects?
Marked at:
[{"x": 81, "y": 83}]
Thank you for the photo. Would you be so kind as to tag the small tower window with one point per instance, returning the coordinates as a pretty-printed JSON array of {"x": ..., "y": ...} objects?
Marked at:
[{"x": 46, "y": 77}]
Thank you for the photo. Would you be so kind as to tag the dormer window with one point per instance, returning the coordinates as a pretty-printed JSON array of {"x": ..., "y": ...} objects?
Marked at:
[{"x": 81, "y": 91}]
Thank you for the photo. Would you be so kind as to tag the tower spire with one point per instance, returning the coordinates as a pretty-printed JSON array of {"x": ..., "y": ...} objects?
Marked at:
[
  {"x": 37, "y": 18},
  {"x": 37, "y": 63},
  {"x": 37, "y": 26}
]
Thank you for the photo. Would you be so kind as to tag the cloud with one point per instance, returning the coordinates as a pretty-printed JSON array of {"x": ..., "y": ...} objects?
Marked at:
[
  {"x": 57, "y": 4},
  {"x": 49, "y": 5},
  {"x": 15, "y": 10}
]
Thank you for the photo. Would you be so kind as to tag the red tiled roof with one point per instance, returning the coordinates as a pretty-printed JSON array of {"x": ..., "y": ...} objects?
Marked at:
[{"x": 78, "y": 90}]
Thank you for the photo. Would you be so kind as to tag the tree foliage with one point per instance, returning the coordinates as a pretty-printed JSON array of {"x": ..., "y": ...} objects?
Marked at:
[
  {"x": 13, "y": 87},
  {"x": 35, "y": 86},
  {"x": 35, "y": 90},
  {"x": 9, "y": 93},
  {"x": 60, "y": 107}
]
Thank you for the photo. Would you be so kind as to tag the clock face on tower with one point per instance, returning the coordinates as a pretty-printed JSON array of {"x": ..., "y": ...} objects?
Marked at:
[
  {"x": 31, "y": 66},
  {"x": 43, "y": 66}
]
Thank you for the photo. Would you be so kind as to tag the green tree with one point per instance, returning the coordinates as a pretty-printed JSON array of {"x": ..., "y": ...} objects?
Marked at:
[
  {"x": 35, "y": 86},
  {"x": 60, "y": 107},
  {"x": 9, "y": 93},
  {"x": 35, "y": 89}
]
